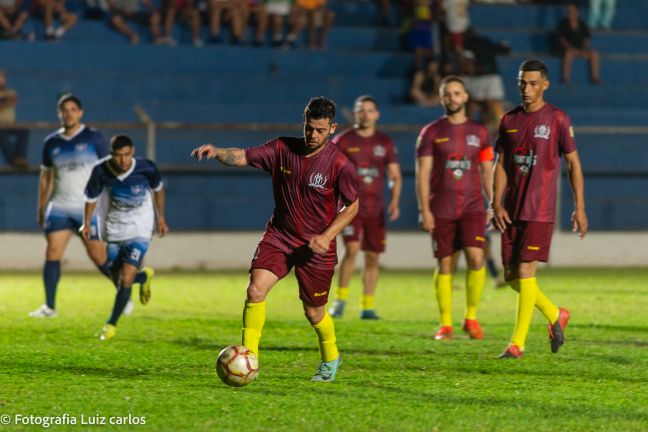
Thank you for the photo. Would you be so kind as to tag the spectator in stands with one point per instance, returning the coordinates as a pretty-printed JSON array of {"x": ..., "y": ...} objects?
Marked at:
[
  {"x": 318, "y": 20},
  {"x": 601, "y": 14},
  {"x": 256, "y": 9},
  {"x": 142, "y": 12},
  {"x": 13, "y": 141},
  {"x": 457, "y": 22},
  {"x": 574, "y": 37},
  {"x": 226, "y": 11},
  {"x": 188, "y": 14},
  {"x": 12, "y": 19},
  {"x": 421, "y": 32},
  {"x": 50, "y": 9},
  {"x": 278, "y": 12},
  {"x": 425, "y": 85}
]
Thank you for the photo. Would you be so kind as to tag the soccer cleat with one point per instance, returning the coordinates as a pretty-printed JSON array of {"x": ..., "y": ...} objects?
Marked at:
[
  {"x": 327, "y": 371},
  {"x": 337, "y": 310},
  {"x": 108, "y": 332},
  {"x": 369, "y": 314},
  {"x": 557, "y": 330},
  {"x": 145, "y": 288},
  {"x": 474, "y": 330},
  {"x": 444, "y": 332},
  {"x": 128, "y": 309},
  {"x": 43, "y": 312},
  {"x": 512, "y": 352}
]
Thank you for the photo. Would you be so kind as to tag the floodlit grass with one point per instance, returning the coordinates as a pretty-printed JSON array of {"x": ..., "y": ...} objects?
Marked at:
[{"x": 394, "y": 376}]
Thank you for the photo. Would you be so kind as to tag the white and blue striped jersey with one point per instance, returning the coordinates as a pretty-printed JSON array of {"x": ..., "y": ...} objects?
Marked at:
[
  {"x": 125, "y": 210},
  {"x": 72, "y": 159}
]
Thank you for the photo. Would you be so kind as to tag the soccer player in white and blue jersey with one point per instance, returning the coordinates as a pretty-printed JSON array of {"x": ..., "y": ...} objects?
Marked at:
[
  {"x": 129, "y": 191},
  {"x": 68, "y": 157}
]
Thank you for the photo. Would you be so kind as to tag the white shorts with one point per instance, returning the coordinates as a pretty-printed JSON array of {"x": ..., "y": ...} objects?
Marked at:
[
  {"x": 278, "y": 7},
  {"x": 485, "y": 87}
]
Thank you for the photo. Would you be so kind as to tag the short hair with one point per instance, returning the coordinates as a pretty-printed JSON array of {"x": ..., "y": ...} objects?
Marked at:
[
  {"x": 535, "y": 65},
  {"x": 319, "y": 108},
  {"x": 452, "y": 78},
  {"x": 365, "y": 98},
  {"x": 69, "y": 97},
  {"x": 120, "y": 141}
]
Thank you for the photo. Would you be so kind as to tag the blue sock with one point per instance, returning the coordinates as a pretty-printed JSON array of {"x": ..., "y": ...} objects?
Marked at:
[
  {"x": 492, "y": 268},
  {"x": 106, "y": 269},
  {"x": 121, "y": 298},
  {"x": 51, "y": 276},
  {"x": 140, "y": 277}
]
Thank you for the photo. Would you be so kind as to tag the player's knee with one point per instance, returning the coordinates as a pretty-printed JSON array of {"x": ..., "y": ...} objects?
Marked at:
[
  {"x": 54, "y": 252},
  {"x": 255, "y": 294},
  {"x": 371, "y": 260},
  {"x": 314, "y": 315}
]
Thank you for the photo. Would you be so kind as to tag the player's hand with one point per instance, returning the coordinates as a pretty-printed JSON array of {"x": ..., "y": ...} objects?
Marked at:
[
  {"x": 580, "y": 223},
  {"x": 319, "y": 244},
  {"x": 85, "y": 231},
  {"x": 163, "y": 228},
  {"x": 394, "y": 212},
  {"x": 205, "y": 151},
  {"x": 427, "y": 222},
  {"x": 501, "y": 218}
]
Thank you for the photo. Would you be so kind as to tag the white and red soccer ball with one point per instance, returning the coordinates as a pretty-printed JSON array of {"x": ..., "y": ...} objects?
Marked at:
[{"x": 237, "y": 366}]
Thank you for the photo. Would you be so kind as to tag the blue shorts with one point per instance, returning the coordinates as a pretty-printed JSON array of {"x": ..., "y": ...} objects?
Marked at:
[
  {"x": 59, "y": 219},
  {"x": 128, "y": 251}
]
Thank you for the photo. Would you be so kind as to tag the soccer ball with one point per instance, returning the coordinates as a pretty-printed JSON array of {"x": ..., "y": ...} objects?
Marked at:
[{"x": 237, "y": 366}]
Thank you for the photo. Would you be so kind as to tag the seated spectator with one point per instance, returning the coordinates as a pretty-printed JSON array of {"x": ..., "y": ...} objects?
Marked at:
[
  {"x": 13, "y": 141},
  {"x": 318, "y": 20},
  {"x": 142, "y": 12},
  {"x": 228, "y": 11},
  {"x": 278, "y": 12},
  {"x": 425, "y": 85},
  {"x": 188, "y": 14},
  {"x": 256, "y": 9},
  {"x": 51, "y": 9},
  {"x": 574, "y": 37},
  {"x": 12, "y": 19},
  {"x": 601, "y": 14}
]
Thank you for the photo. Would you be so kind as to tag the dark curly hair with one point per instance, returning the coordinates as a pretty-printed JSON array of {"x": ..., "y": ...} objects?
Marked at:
[{"x": 319, "y": 108}]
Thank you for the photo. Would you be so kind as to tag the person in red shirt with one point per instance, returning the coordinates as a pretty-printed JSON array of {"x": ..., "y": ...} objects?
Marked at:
[
  {"x": 532, "y": 137},
  {"x": 374, "y": 155},
  {"x": 454, "y": 163},
  {"x": 310, "y": 177}
]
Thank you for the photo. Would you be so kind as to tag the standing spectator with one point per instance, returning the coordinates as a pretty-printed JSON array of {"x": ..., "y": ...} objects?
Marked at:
[
  {"x": 457, "y": 21},
  {"x": 420, "y": 37},
  {"x": 140, "y": 11},
  {"x": 257, "y": 9},
  {"x": 48, "y": 10},
  {"x": 601, "y": 13},
  {"x": 574, "y": 37},
  {"x": 278, "y": 11},
  {"x": 13, "y": 142},
  {"x": 233, "y": 13},
  {"x": 188, "y": 13},
  {"x": 314, "y": 15},
  {"x": 12, "y": 19}
]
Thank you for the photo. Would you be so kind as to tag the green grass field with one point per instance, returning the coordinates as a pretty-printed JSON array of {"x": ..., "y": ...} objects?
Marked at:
[{"x": 394, "y": 377}]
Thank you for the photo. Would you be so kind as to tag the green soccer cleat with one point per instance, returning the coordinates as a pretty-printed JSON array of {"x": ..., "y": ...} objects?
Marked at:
[
  {"x": 108, "y": 332},
  {"x": 145, "y": 288},
  {"x": 327, "y": 371}
]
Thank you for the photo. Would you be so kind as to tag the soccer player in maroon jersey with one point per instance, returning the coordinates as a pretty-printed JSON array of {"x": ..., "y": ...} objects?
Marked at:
[
  {"x": 454, "y": 163},
  {"x": 532, "y": 137},
  {"x": 310, "y": 177},
  {"x": 374, "y": 155}
]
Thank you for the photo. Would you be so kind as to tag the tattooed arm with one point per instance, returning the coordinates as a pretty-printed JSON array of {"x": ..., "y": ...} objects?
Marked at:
[{"x": 227, "y": 156}]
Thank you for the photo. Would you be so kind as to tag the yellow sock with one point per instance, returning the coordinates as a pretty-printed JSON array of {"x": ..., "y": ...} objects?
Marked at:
[
  {"x": 342, "y": 293},
  {"x": 526, "y": 303},
  {"x": 325, "y": 330},
  {"x": 443, "y": 285},
  {"x": 367, "y": 301},
  {"x": 254, "y": 315},
  {"x": 544, "y": 305},
  {"x": 475, "y": 280}
]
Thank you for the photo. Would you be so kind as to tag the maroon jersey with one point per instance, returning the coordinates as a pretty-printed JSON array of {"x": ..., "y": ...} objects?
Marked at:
[
  {"x": 457, "y": 151},
  {"x": 306, "y": 191},
  {"x": 370, "y": 157},
  {"x": 531, "y": 144}
]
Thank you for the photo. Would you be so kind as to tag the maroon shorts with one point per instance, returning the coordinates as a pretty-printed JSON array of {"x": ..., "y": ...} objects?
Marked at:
[
  {"x": 370, "y": 229},
  {"x": 526, "y": 241},
  {"x": 313, "y": 279},
  {"x": 451, "y": 235}
]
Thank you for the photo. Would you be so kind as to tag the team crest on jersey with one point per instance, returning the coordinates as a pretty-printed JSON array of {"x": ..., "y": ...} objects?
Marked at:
[
  {"x": 80, "y": 147},
  {"x": 379, "y": 151},
  {"x": 457, "y": 164},
  {"x": 137, "y": 190},
  {"x": 525, "y": 159},
  {"x": 541, "y": 131},
  {"x": 56, "y": 150},
  {"x": 317, "y": 180},
  {"x": 472, "y": 140}
]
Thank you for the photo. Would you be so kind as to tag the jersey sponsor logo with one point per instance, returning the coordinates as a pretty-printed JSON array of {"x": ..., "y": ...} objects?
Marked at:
[
  {"x": 284, "y": 170},
  {"x": 348, "y": 230},
  {"x": 353, "y": 150},
  {"x": 473, "y": 141},
  {"x": 525, "y": 159},
  {"x": 457, "y": 164},
  {"x": 320, "y": 294},
  {"x": 80, "y": 147},
  {"x": 379, "y": 151},
  {"x": 440, "y": 140},
  {"x": 571, "y": 131},
  {"x": 368, "y": 174},
  {"x": 511, "y": 131},
  {"x": 137, "y": 190},
  {"x": 480, "y": 238},
  {"x": 317, "y": 180},
  {"x": 542, "y": 131},
  {"x": 533, "y": 248}
]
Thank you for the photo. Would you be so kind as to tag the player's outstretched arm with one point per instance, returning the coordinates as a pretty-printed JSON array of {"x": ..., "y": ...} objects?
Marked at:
[
  {"x": 227, "y": 156},
  {"x": 158, "y": 198},
  {"x": 45, "y": 187},
  {"x": 500, "y": 216},
  {"x": 423, "y": 172},
  {"x": 321, "y": 243},
  {"x": 577, "y": 182},
  {"x": 396, "y": 185}
]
